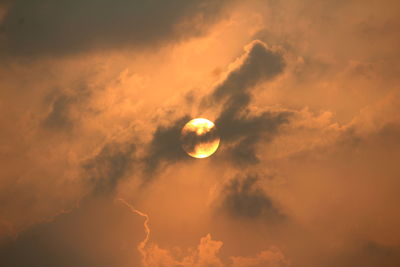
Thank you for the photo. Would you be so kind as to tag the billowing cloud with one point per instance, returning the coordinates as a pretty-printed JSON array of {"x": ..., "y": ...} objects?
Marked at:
[{"x": 204, "y": 255}]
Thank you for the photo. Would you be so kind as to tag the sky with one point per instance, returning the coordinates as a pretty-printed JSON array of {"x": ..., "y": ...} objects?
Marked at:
[{"x": 305, "y": 96}]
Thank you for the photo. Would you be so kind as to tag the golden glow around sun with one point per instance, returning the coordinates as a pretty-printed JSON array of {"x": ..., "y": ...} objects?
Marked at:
[{"x": 199, "y": 138}]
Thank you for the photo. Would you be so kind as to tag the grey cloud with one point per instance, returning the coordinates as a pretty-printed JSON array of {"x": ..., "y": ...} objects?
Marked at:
[
  {"x": 116, "y": 160},
  {"x": 245, "y": 131},
  {"x": 260, "y": 64},
  {"x": 109, "y": 166},
  {"x": 242, "y": 197},
  {"x": 62, "y": 27},
  {"x": 165, "y": 146},
  {"x": 235, "y": 123}
]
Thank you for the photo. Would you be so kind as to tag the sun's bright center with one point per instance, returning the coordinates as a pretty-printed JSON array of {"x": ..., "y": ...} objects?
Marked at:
[{"x": 199, "y": 138}]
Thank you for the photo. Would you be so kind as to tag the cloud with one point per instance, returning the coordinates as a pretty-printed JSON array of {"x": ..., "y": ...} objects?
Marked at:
[
  {"x": 109, "y": 166},
  {"x": 238, "y": 129},
  {"x": 99, "y": 233},
  {"x": 368, "y": 254},
  {"x": 165, "y": 145},
  {"x": 204, "y": 256},
  {"x": 329, "y": 162},
  {"x": 243, "y": 198},
  {"x": 46, "y": 28},
  {"x": 333, "y": 180},
  {"x": 64, "y": 104},
  {"x": 259, "y": 64},
  {"x": 58, "y": 118},
  {"x": 237, "y": 126}
]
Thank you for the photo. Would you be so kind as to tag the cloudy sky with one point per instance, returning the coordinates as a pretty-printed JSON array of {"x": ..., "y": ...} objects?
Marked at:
[{"x": 305, "y": 96}]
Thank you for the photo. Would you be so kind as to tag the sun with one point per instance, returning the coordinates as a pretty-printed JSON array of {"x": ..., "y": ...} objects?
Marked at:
[{"x": 199, "y": 138}]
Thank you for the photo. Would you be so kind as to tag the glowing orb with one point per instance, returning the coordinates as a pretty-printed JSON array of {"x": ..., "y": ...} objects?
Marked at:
[{"x": 199, "y": 138}]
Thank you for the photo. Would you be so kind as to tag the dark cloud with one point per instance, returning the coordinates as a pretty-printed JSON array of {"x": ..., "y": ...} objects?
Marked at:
[
  {"x": 116, "y": 160},
  {"x": 244, "y": 198},
  {"x": 62, "y": 27},
  {"x": 165, "y": 146},
  {"x": 245, "y": 131},
  {"x": 109, "y": 166},
  {"x": 235, "y": 123},
  {"x": 260, "y": 64}
]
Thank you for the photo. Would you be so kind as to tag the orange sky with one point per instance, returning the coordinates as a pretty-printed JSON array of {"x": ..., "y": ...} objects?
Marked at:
[{"x": 305, "y": 95}]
